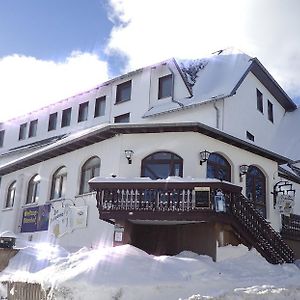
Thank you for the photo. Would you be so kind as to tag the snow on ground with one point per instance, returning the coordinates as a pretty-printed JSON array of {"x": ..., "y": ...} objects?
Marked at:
[{"x": 128, "y": 273}]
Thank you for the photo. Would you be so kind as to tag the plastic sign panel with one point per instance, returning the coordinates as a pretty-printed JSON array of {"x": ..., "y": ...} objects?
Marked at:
[
  {"x": 64, "y": 219},
  {"x": 35, "y": 218}
]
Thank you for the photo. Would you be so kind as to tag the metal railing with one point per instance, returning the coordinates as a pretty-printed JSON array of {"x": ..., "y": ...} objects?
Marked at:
[{"x": 291, "y": 227}]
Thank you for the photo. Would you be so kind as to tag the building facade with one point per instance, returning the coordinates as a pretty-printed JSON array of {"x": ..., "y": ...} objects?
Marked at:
[{"x": 214, "y": 122}]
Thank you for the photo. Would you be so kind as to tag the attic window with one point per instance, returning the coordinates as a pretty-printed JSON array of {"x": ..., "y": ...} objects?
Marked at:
[
  {"x": 270, "y": 111},
  {"x": 165, "y": 86},
  {"x": 259, "y": 97},
  {"x": 123, "y": 118},
  {"x": 250, "y": 136}
]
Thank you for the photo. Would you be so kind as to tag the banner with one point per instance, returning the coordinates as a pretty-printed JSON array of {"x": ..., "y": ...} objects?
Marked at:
[
  {"x": 35, "y": 218},
  {"x": 64, "y": 219}
]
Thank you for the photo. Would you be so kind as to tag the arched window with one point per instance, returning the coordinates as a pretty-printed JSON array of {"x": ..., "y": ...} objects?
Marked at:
[
  {"x": 256, "y": 189},
  {"x": 161, "y": 165},
  {"x": 33, "y": 189},
  {"x": 59, "y": 180},
  {"x": 90, "y": 169},
  {"x": 218, "y": 167},
  {"x": 11, "y": 194}
]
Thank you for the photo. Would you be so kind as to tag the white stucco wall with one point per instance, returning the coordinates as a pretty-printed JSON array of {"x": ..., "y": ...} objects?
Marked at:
[{"x": 113, "y": 161}]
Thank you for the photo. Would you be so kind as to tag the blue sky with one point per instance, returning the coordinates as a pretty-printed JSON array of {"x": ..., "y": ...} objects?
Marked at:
[{"x": 53, "y": 49}]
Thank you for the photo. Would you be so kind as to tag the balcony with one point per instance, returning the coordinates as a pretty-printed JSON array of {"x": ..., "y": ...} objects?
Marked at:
[{"x": 172, "y": 199}]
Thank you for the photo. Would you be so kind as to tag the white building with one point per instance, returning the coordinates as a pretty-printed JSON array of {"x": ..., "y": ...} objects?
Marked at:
[{"x": 167, "y": 115}]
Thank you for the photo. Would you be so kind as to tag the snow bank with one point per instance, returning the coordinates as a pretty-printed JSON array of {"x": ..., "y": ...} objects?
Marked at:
[{"x": 127, "y": 273}]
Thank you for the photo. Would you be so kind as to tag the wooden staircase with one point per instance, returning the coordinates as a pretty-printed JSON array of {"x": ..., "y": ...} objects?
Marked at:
[{"x": 257, "y": 232}]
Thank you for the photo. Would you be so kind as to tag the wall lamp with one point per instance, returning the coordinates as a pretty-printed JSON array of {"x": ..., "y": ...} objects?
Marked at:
[
  {"x": 128, "y": 155},
  {"x": 204, "y": 155},
  {"x": 243, "y": 170}
]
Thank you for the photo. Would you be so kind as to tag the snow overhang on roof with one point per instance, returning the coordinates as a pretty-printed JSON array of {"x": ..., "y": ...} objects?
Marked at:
[
  {"x": 103, "y": 132},
  {"x": 286, "y": 172}
]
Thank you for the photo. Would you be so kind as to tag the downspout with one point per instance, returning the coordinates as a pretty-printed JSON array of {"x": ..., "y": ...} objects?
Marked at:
[{"x": 217, "y": 115}]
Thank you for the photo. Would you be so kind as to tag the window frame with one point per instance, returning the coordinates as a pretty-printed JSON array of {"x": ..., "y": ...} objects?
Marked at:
[
  {"x": 33, "y": 128},
  {"x": 60, "y": 177},
  {"x": 22, "y": 131},
  {"x": 250, "y": 136},
  {"x": 33, "y": 189},
  {"x": 255, "y": 177},
  {"x": 83, "y": 112},
  {"x": 214, "y": 163},
  {"x": 116, "y": 118},
  {"x": 11, "y": 195},
  {"x": 2, "y": 135},
  {"x": 52, "y": 122},
  {"x": 66, "y": 117},
  {"x": 98, "y": 112},
  {"x": 259, "y": 101},
  {"x": 171, "y": 162},
  {"x": 91, "y": 168},
  {"x": 164, "y": 82},
  {"x": 120, "y": 90},
  {"x": 270, "y": 111}
]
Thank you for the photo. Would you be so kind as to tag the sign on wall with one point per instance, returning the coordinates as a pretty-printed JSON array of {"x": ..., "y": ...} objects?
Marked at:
[
  {"x": 35, "y": 218},
  {"x": 64, "y": 219}
]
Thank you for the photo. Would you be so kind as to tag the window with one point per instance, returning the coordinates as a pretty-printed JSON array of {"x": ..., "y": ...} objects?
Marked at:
[
  {"x": 83, "y": 111},
  {"x": 33, "y": 189},
  {"x": 22, "y": 131},
  {"x": 218, "y": 167},
  {"x": 66, "y": 117},
  {"x": 270, "y": 111},
  {"x": 123, "y": 118},
  {"x": 90, "y": 169},
  {"x": 52, "y": 121},
  {"x": 161, "y": 165},
  {"x": 123, "y": 91},
  {"x": 33, "y": 128},
  {"x": 260, "y": 105},
  {"x": 100, "y": 107},
  {"x": 59, "y": 180},
  {"x": 256, "y": 189},
  {"x": 249, "y": 136},
  {"x": 165, "y": 86},
  {"x": 11, "y": 194},
  {"x": 2, "y": 132}
]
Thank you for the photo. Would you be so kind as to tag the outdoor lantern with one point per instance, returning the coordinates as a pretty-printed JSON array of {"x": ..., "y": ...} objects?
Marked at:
[
  {"x": 243, "y": 170},
  {"x": 204, "y": 155},
  {"x": 128, "y": 155}
]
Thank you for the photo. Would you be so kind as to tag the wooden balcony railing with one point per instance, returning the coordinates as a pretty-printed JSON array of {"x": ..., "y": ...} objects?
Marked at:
[
  {"x": 291, "y": 227},
  {"x": 182, "y": 200}
]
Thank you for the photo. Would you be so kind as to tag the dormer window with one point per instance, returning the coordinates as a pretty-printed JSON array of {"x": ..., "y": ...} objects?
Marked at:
[
  {"x": 165, "y": 86},
  {"x": 123, "y": 92}
]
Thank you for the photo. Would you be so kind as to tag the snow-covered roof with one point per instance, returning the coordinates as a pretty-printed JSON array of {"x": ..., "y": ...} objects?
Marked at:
[
  {"x": 219, "y": 76},
  {"x": 104, "y": 131}
]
